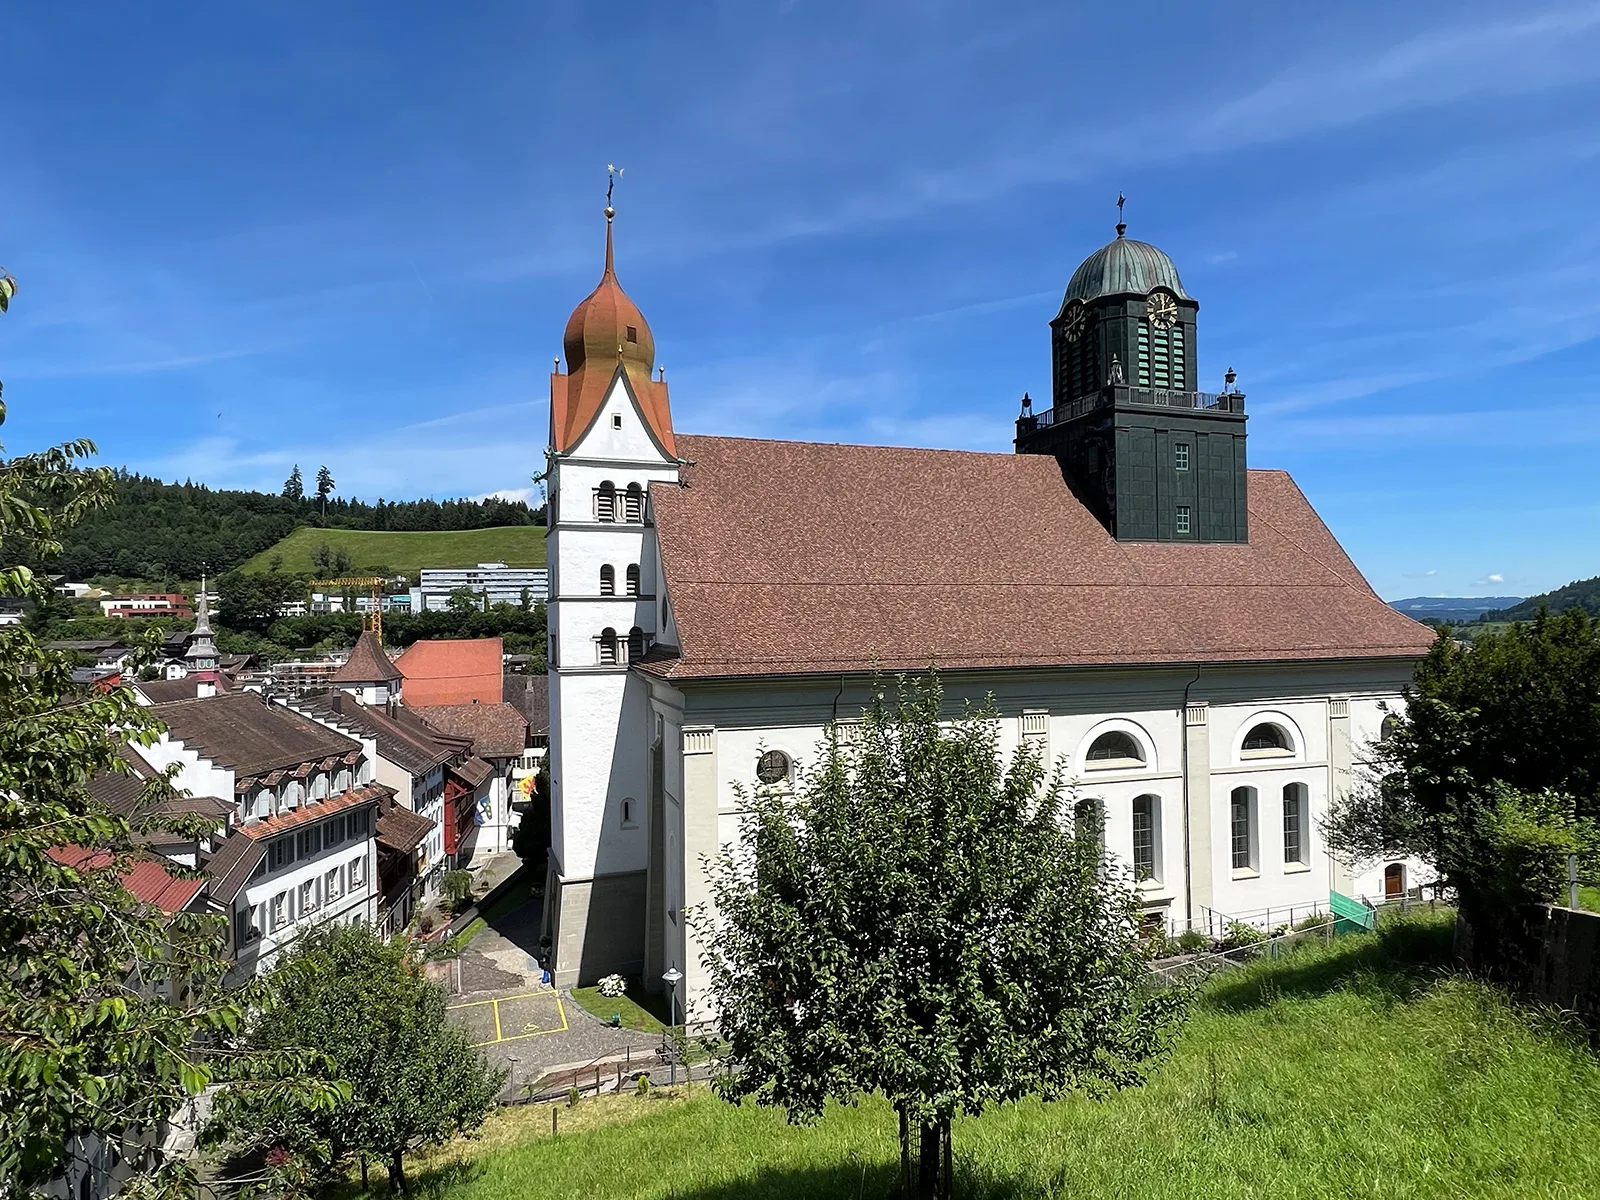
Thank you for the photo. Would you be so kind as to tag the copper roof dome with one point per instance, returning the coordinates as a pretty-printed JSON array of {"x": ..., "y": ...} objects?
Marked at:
[
  {"x": 1124, "y": 267},
  {"x": 607, "y": 327}
]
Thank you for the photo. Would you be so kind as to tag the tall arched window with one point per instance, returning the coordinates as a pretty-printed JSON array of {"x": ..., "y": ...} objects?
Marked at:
[
  {"x": 1146, "y": 838},
  {"x": 633, "y": 579},
  {"x": 1089, "y": 819},
  {"x": 1242, "y": 827},
  {"x": 608, "y": 645},
  {"x": 1387, "y": 729},
  {"x": 605, "y": 502},
  {"x": 633, "y": 503},
  {"x": 1295, "y": 815},
  {"x": 608, "y": 580},
  {"x": 635, "y": 643}
]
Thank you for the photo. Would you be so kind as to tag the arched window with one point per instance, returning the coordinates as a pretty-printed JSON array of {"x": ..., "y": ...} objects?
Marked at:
[
  {"x": 1295, "y": 805},
  {"x": 1113, "y": 750},
  {"x": 627, "y": 813},
  {"x": 605, "y": 502},
  {"x": 633, "y": 503},
  {"x": 635, "y": 643},
  {"x": 773, "y": 767},
  {"x": 608, "y": 580},
  {"x": 1242, "y": 827},
  {"x": 1266, "y": 740},
  {"x": 1146, "y": 837},
  {"x": 633, "y": 579},
  {"x": 608, "y": 646},
  {"x": 1391, "y": 723}
]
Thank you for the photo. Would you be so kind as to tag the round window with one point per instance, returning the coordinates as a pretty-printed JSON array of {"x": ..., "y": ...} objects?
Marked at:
[{"x": 773, "y": 767}]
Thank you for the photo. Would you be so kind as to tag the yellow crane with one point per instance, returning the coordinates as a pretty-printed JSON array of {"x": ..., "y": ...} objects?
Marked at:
[{"x": 374, "y": 584}]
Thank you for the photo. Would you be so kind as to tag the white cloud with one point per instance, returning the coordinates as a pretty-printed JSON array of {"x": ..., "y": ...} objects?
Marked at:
[{"x": 1494, "y": 578}]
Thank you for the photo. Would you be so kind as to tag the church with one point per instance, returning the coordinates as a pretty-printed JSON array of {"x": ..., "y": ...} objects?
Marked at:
[{"x": 1182, "y": 630}]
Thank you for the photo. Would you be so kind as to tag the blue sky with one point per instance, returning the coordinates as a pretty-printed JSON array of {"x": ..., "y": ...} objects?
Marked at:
[{"x": 254, "y": 234}]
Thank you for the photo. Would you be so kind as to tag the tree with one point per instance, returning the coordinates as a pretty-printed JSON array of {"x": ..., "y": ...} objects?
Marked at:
[
  {"x": 325, "y": 487},
  {"x": 105, "y": 1003},
  {"x": 294, "y": 487},
  {"x": 1491, "y": 775},
  {"x": 922, "y": 921},
  {"x": 415, "y": 1079},
  {"x": 463, "y": 600},
  {"x": 252, "y": 602}
]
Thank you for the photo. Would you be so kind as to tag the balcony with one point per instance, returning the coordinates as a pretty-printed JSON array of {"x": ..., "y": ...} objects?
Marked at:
[{"x": 1125, "y": 395}]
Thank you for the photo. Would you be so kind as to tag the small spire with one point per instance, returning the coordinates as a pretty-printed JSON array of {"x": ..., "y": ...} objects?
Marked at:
[
  {"x": 613, "y": 173},
  {"x": 1122, "y": 226},
  {"x": 202, "y": 622}
]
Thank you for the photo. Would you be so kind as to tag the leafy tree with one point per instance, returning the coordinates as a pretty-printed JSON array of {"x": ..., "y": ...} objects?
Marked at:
[
  {"x": 294, "y": 487},
  {"x": 922, "y": 921},
  {"x": 415, "y": 1078},
  {"x": 463, "y": 600},
  {"x": 456, "y": 888},
  {"x": 1492, "y": 773},
  {"x": 252, "y": 602},
  {"x": 104, "y": 1002},
  {"x": 325, "y": 487}
]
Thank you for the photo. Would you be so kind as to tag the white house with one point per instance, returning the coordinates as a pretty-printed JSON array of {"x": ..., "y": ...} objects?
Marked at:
[{"x": 1184, "y": 633}]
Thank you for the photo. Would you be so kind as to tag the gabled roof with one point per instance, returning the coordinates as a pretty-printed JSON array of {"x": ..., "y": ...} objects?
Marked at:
[
  {"x": 857, "y": 558},
  {"x": 452, "y": 671},
  {"x": 367, "y": 663},
  {"x": 164, "y": 691},
  {"x": 531, "y": 696},
  {"x": 242, "y": 731},
  {"x": 147, "y": 877},
  {"x": 496, "y": 730},
  {"x": 473, "y": 772},
  {"x": 231, "y": 865},
  {"x": 399, "y": 829},
  {"x": 409, "y": 745}
]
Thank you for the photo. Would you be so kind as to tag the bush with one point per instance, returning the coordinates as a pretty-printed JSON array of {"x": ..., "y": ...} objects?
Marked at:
[
  {"x": 456, "y": 889},
  {"x": 1238, "y": 935},
  {"x": 612, "y": 986},
  {"x": 573, "y": 1096},
  {"x": 1192, "y": 941},
  {"x": 642, "y": 1088},
  {"x": 1314, "y": 921}
]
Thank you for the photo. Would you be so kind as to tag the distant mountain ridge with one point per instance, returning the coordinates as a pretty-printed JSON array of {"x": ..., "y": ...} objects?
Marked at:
[
  {"x": 1582, "y": 593},
  {"x": 1452, "y": 609}
]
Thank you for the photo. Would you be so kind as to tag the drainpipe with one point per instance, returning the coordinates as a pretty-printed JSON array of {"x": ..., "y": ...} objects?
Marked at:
[{"x": 1188, "y": 864}]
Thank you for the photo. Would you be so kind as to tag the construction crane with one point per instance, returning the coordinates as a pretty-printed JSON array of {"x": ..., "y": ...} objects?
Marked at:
[{"x": 374, "y": 584}]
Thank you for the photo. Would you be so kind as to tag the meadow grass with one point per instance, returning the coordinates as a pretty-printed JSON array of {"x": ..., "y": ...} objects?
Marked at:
[
  {"x": 514, "y": 545},
  {"x": 1358, "y": 1069}
]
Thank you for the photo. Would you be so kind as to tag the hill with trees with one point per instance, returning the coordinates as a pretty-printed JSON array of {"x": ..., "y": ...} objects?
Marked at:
[
  {"x": 168, "y": 531},
  {"x": 1583, "y": 593}
]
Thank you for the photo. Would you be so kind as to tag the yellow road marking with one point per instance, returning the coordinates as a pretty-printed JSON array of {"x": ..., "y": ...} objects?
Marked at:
[{"x": 499, "y": 1033}]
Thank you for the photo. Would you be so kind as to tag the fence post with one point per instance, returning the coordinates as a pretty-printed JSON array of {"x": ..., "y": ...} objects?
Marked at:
[{"x": 555, "y": 1120}]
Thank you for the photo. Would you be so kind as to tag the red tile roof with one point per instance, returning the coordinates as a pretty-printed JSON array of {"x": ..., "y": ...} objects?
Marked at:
[
  {"x": 242, "y": 731},
  {"x": 399, "y": 829},
  {"x": 496, "y": 730},
  {"x": 317, "y": 809},
  {"x": 850, "y": 558},
  {"x": 146, "y": 878},
  {"x": 367, "y": 663},
  {"x": 452, "y": 671}
]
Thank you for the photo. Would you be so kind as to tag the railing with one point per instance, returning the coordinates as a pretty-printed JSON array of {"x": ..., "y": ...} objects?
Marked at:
[{"x": 1118, "y": 393}]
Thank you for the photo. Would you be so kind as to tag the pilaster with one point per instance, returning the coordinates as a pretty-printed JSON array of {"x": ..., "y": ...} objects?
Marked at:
[
  {"x": 1340, "y": 778},
  {"x": 1197, "y": 807}
]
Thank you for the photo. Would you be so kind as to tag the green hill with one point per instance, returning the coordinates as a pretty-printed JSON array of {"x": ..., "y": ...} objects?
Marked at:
[
  {"x": 1584, "y": 594},
  {"x": 514, "y": 545}
]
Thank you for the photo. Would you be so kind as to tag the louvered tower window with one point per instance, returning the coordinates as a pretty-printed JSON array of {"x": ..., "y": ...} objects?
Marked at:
[{"x": 1161, "y": 357}]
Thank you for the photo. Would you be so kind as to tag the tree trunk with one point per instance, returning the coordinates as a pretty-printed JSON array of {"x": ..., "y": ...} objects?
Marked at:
[
  {"x": 363, "y": 1171},
  {"x": 397, "y": 1171},
  {"x": 905, "y": 1153},
  {"x": 933, "y": 1161}
]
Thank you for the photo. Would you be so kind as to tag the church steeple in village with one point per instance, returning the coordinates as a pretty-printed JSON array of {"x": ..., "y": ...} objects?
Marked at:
[{"x": 200, "y": 659}]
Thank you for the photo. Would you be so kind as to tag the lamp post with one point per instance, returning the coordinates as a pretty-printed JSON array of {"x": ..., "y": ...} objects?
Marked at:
[{"x": 672, "y": 977}]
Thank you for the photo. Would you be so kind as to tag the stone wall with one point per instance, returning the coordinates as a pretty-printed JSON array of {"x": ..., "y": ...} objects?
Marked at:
[{"x": 1551, "y": 955}]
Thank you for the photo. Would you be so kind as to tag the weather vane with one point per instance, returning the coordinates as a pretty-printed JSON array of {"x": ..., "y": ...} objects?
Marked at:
[
  {"x": 1121, "y": 224},
  {"x": 613, "y": 173}
]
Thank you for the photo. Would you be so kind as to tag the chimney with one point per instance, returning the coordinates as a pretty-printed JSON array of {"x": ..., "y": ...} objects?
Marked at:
[{"x": 204, "y": 688}]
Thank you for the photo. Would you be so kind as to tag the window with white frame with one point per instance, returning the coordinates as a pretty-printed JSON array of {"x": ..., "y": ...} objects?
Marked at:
[
  {"x": 1089, "y": 819},
  {"x": 358, "y": 873},
  {"x": 1266, "y": 739},
  {"x": 280, "y": 911},
  {"x": 773, "y": 767},
  {"x": 308, "y": 897},
  {"x": 1114, "y": 751},
  {"x": 1146, "y": 859},
  {"x": 1295, "y": 817},
  {"x": 1181, "y": 519},
  {"x": 341, "y": 781},
  {"x": 319, "y": 786},
  {"x": 1180, "y": 456},
  {"x": 330, "y": 886},
  {"x": 1242, "y": 827}
]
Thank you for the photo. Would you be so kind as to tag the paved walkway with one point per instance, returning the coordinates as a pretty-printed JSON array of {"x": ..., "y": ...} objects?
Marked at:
[{"x": 518, "y": 1020}]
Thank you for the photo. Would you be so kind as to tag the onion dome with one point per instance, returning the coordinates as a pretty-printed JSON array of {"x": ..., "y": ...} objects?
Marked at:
[
  {"x": 1124, "y": 267},
  {"x": 607, "y": 326}
]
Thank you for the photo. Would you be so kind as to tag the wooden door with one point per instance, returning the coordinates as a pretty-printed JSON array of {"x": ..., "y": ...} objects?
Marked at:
[{"x": 1394, "y": 881}]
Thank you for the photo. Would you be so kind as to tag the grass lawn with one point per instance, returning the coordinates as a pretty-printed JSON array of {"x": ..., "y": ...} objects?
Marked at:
[
  {"x": 514, "y": 545},
  {"x": 641, "y": 1010},
  {"x": 1589, "y": 898},
  {"x": 1360, "y": 1069}
]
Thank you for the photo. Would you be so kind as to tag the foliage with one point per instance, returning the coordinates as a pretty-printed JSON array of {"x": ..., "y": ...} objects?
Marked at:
[
  {"x": 1192, "y": 941},
  {"x": 251, "y": 602},
  {"x": 522, "y": 632},
  {"x": 1492, "y": 774},
  {"x": 105, "y": 1002},
  {"x": 456, "y": 888},
  {"x": 464, "y": 600},
  {"x": 922, "y": 922},
  {"x": 1582, "y": 594},
  {"x": 646, "y": 1012},
  {"x": 294, "y": 487},
  {"x": 573, "y": 1096},
  {"x": 414, "y": 1078},
  {"x": 1240, "y": 934},
  {"x": 325, "y": 486},
  {"x": 327, "y": 560}
]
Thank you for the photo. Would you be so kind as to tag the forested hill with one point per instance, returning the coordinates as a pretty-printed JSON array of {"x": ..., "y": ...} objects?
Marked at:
[
  {"x": 156, "y": 530},
  {"x": 1584, "y": 594}
]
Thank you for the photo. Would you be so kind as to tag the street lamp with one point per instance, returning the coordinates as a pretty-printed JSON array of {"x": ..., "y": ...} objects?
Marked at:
[{"x": 672, "y": 977}]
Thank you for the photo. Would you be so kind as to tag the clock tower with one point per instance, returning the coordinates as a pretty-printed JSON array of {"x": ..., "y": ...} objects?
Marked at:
[{"x": 1154, "y": 458}]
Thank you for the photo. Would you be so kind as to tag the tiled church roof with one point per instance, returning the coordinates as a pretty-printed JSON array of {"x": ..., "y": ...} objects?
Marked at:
[{"x": 797, "y": 557}]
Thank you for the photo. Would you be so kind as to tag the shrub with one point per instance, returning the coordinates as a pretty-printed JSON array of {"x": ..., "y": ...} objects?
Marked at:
[
  {"x": 573, "y": 1096},
  {"x": 1239, "y": 935},
  {"x": 612, "y": 986},
  {"x": 1192, "y": 941},
  {"x": 456, "y": 888},
  {"x": 1314, "y": 921},
  {"x": 642, "y": 1088}
]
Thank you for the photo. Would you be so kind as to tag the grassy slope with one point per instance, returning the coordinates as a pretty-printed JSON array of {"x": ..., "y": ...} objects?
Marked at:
[
  {"x": 515, "y": 545},
  {"x": 1341, "y": 1071}
]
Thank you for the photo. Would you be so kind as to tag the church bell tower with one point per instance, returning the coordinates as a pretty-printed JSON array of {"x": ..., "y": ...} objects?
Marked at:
[{"x": 1152, "y": 457}]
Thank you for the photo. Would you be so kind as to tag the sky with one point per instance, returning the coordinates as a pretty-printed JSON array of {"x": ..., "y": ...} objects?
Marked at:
[{"x": 253, "y": 235}]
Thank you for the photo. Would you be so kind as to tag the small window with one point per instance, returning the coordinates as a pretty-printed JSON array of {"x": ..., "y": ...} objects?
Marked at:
[
  {"x": 633, "y": 503},
  {"x": 1242, "y": 820},
  {"x": 616, "y": 420},
  {"x": 608, "y": 580},
  {"x": 1391, "y": 723},
  {"x": 1115, "y": 749},
  {"x": 635, "y": 644},
  {"x": 605, "y": 502},
  {"x": 608, "y": 646},
  {"x": 773, "y": 767},
  {"x": 1180, "y": 456},
  {"x": 1145, "y": 809},
  {"x": 1182, "y": 523},
  {"x": 1266, "y": 740},
  {"x": 627, "y": 813},
  {"x": 633, "y": 333},
  {"x": 1294, "y": 823},
  {"x": 633, "y": 579}
]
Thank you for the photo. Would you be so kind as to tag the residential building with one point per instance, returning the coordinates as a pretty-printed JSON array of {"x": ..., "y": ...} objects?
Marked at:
[
  {"x": 147, "y": 604},
  {"x": 497, "y": 734},
  {"x": 452, "y": 671},
  {"x": 496, "y": 581},
  {"x": 530, "y": 696},
  {"x": 1184, "y": 634}
]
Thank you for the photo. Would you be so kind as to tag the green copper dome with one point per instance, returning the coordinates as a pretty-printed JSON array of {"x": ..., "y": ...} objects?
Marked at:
[{"x": 1124, "y": 267}]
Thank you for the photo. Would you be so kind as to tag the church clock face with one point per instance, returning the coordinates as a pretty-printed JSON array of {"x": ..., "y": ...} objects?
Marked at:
[
  {"x": 1161, "y": 310},
  {"x": 1074, "y": 322}
]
